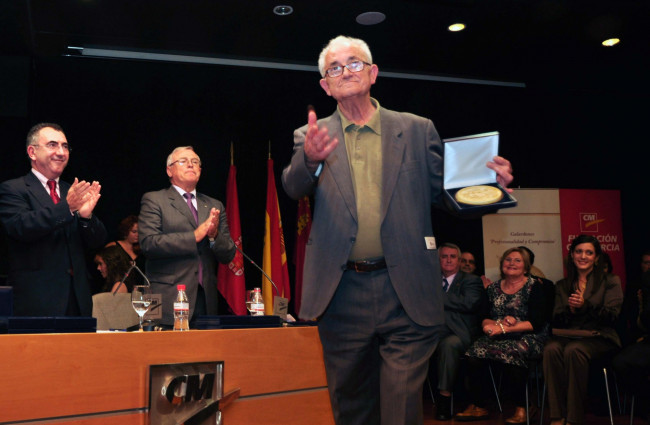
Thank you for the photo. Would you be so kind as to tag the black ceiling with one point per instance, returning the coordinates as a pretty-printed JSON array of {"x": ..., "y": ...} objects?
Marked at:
[{"x": 536, "y": 42}]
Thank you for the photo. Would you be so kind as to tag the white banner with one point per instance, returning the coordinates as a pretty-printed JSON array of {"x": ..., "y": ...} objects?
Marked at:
[{"x": 533, "y": 223}]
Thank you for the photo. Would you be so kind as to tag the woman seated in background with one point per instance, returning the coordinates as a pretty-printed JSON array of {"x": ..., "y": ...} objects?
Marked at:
[
  {"x": 127, "y": 232},
  {"x": 112, "y": 264},
  {"x": 514, "y": 332},
  {"x": 587, "y": 303}
]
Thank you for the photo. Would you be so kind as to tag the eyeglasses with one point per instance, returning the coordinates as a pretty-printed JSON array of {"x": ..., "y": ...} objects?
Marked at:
[
  {"x": 355, "y": 66},
  {"x": 54, "y": 146},
  {"x": 183, "y": 162}
]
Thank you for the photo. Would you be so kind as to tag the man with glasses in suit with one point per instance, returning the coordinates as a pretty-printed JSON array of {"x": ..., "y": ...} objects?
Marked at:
[
  {"x": 371, "y": 274},
  {"x": 183, "y": 234},
  {"x": 49, "y": 225}
]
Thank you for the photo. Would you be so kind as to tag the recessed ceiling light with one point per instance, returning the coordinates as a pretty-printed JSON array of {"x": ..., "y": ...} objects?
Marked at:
[
  {"x": 611, "y": 42},
  {"x": 283, "y": 10},
  {"x": 370, "y": 18},
  {"x": 456, "y": 27}
]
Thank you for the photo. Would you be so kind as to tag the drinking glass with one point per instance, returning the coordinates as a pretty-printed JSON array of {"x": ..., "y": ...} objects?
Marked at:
[
  {"x": 141, "y": 300},
  {"x": 249, "y": 301}
]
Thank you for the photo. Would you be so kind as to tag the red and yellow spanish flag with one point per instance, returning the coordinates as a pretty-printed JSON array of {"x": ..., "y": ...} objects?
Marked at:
[
  {"x": 275, "y": 255},
  {"x": 230, "y": 281},
  {"x": 303, "y": 227}
]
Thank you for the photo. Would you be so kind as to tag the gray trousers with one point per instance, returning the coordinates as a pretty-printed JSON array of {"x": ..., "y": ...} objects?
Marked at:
[
  {"x": 447, "y": 358},
  {"x": 376, "y": 357}
]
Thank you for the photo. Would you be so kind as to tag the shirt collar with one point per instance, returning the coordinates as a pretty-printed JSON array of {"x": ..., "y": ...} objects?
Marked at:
[
  {"x": 41, "y": 178},
  {"x": 373, "y": 124},
  {"x": 450, "y": 278},
  {"x": 183, "y": 192}
]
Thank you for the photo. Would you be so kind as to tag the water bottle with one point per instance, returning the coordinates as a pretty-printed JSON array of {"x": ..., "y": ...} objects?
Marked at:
[
  {"x": 181, "y": 310},
  {"x": 257, "y": 303}
]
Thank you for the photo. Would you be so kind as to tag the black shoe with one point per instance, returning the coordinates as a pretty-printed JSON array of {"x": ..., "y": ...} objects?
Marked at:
[{"x": 443, "y": 408}]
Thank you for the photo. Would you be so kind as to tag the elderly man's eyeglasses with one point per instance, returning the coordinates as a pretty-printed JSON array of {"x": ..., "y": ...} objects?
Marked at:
[
  {"x": 54, "y": 146},
  {"x": 355, "y": 66},
  {"x": 184, "y": 161}
]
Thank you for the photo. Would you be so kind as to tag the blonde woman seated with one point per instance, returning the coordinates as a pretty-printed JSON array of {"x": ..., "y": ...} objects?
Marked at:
[
  {"x": 587, "y": 303},
  {"x": 514, "y": 332}
]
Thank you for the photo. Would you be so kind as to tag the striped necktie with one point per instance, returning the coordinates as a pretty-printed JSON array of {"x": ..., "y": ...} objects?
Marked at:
[{"x": 445, "y": 284}]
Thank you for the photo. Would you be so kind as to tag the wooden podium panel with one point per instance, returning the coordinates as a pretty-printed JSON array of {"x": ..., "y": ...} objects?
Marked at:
[{"x": 103, "y": 378}]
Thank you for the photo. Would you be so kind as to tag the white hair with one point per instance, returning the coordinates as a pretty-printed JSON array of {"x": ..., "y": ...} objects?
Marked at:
[
  {"x": 343, "y": 40},
  {"x": 170, "y": 158}
]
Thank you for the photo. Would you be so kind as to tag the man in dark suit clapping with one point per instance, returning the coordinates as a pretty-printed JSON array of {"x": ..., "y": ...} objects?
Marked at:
[
  {"x": 49, "y": 224},
  {"x": 464, "y": 301}
]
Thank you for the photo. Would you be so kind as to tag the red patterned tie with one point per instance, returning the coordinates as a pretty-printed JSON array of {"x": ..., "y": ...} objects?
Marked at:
[{"x": 52, "y": 185}]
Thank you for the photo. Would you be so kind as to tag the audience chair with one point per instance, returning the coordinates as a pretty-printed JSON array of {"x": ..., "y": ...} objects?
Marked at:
[
  {"x": 609, "y": 401},
  {"x": 533, "y": 365}
]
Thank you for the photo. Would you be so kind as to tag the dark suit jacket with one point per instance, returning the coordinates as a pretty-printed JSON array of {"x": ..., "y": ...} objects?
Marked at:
[
  {"x": 465, "y": 306},
  {"x": 600, "y": 311},
  {"x": 411, "y": 182},
  {"x": 166, "y": 232},
  {"x": 47, "y": 247}
]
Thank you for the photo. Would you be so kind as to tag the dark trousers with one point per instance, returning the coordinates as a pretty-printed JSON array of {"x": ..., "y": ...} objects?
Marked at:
[
  {"x": 376, "y": 358},
  {"x": 446, "y": 360},
  {"x": 73, "y": 304},
  {"x": 200, "y": 308},
  {"x": 566, "y": 371}
]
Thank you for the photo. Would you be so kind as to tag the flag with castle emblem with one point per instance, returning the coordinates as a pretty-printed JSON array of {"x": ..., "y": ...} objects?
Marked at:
[{"x": 231, "y": 282}]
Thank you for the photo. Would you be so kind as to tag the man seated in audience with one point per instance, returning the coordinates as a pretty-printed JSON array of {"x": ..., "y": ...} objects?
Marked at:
[
  {"x": 467, "y": 262},
  {"x": 464, "y": 303}
]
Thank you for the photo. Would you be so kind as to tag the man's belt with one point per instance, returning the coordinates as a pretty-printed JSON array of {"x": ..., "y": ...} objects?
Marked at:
[{"x": 366, "y": 266}]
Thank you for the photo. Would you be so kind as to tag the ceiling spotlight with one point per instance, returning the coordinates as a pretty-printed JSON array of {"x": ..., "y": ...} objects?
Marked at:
[
  {"x": 611, "y": 42},
  {"x": 283, "y": 10},
  {"x": 456, "y": 27},
  {"x": 370, "y": 18}
]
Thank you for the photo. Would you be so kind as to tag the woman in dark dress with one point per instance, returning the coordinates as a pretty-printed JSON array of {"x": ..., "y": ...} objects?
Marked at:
[
  {"x": 129, "y": 245},
  {"x": 514, "y": 332}
]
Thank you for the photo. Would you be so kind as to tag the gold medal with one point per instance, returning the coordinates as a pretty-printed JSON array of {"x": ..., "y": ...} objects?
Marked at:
[{"x": 479, "y": 195}]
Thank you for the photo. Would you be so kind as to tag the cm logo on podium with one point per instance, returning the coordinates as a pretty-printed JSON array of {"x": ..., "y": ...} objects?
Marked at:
[{"x": 187, "y": 393}]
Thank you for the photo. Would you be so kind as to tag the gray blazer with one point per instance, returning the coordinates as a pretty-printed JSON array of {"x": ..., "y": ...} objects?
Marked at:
[
  {"x": 465, "y": 306},
  {"x": 411, "y": 182},
  {"x": 166, "y": 232}
]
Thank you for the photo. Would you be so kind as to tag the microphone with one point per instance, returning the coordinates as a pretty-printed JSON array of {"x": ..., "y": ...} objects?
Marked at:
[
  {"x": 280, "y": 304},
  {"x": 133, "y": 266}
]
